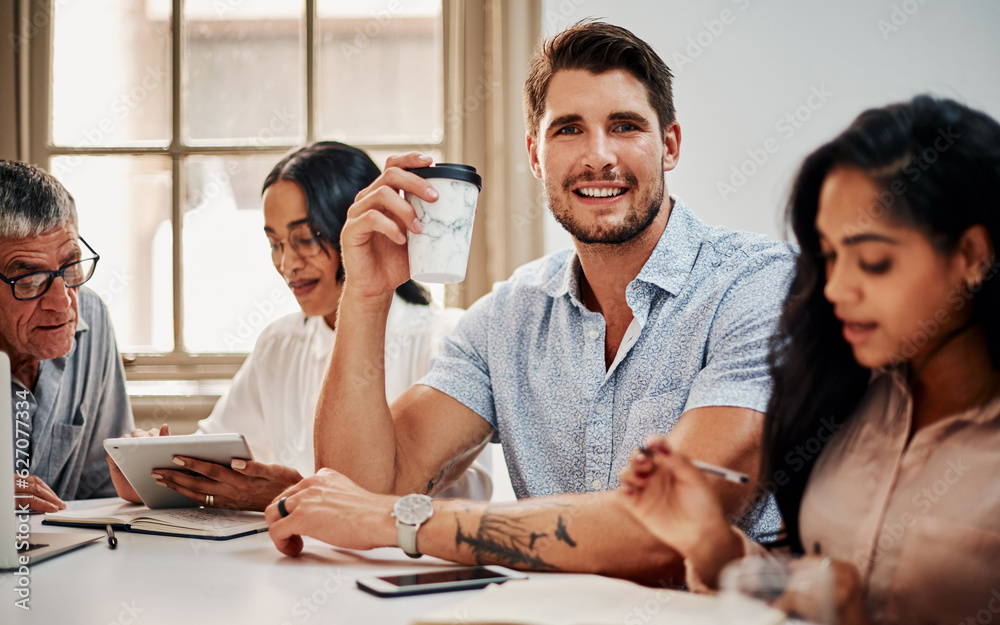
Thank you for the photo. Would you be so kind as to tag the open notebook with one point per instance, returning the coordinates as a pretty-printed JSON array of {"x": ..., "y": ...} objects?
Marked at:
[
  {"x": 592, "y": 600},
  {"x": 210, "y": 523}
]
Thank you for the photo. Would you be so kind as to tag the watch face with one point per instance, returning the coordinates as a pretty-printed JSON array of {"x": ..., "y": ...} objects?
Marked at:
[{"x": 414, "y": 509}]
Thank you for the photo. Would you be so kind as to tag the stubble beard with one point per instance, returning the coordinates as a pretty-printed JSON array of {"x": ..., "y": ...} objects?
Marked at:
[{"x": 641, "y": 213}]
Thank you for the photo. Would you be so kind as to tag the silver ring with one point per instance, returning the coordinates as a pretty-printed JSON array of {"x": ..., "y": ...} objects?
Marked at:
[
  {"x": 209, "y": 501},
  {"x": 282, "y": 510}
]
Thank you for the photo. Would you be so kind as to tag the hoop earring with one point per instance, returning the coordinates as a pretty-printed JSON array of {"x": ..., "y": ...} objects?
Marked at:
[{"x": 980, "y": 277}]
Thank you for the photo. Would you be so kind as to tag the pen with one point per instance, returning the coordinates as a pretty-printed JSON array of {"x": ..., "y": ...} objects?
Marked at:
[
  {"x": 726, "y": 474},
  {"x": 112, "y": 540},
  {"x": 710, "y": 469}
]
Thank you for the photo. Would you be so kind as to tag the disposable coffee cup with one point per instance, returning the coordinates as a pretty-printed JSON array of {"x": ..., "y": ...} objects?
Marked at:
[{"x": 440, "y": 253}]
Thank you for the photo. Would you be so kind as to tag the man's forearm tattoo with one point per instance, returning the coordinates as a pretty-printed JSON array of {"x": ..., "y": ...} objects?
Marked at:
[
  {"x": 562, "y": 534},
  {"x": 502, "y": 539}
]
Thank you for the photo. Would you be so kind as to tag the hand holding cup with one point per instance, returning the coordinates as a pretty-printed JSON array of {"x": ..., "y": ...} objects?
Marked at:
[{"x": 373, "y": 241}]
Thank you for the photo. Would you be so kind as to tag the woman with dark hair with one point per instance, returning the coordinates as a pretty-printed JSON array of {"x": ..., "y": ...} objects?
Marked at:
[
  {"x": 273, "y": 398},
  {"x": 308, "y": 171},
  {"x": 882, "y": 437}
]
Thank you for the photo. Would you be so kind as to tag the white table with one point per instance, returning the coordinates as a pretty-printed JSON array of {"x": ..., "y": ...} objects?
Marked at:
[{"x": 149, "y": 580}]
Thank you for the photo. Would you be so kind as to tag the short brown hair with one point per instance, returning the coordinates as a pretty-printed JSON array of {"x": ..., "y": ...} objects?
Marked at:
[{"x": 597, "y": 47}]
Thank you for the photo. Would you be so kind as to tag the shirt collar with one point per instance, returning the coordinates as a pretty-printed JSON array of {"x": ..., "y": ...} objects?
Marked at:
[
  {"x": 670, "y": 264},
  {"x": 321, "y": 337},
  {"x": 565, "y": 280},
  {"x": 668, "y": 267},
  {"x": 81, "y": 325},
  {"x": 898, "y": 378}
]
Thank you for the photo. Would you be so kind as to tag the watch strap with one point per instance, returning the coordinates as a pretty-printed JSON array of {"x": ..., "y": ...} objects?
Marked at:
[{"x": 406, "y": 536}]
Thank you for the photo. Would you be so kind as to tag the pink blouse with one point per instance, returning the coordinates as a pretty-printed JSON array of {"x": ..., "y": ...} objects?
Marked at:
[{"x": 921, "y": 522}]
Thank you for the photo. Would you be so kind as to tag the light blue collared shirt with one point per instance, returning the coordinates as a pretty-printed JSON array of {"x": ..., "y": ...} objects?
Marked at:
[
  {"x": 79, "y": 400},
  {"x": 529, "y": 356}
]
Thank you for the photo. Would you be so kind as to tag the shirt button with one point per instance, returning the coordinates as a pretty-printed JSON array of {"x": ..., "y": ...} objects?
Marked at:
[
  {"x": 593, "y": 334},
  {"x": 596, "y": 485}
]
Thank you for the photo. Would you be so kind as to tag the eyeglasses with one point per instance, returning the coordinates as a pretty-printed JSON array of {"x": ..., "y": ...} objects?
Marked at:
[
  {"x": 36, "y": 284},
  {"x": 301, "y": 238}
]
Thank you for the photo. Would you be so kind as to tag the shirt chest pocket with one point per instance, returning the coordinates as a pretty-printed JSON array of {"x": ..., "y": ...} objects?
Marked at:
[
  {"x": 66, "y": 438},
  {"x": 947, "y": 571}
]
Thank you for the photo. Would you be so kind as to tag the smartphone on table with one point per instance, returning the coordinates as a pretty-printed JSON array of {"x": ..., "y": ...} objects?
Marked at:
[{"x": 444, "y": 580}]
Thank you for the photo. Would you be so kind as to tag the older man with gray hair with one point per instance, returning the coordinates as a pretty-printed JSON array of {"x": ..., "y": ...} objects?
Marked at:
[{"x": 67, "y": 380}]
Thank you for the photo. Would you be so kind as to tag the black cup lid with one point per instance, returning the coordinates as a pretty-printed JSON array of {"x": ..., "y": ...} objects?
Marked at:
[{"x": 453, "y": 171}]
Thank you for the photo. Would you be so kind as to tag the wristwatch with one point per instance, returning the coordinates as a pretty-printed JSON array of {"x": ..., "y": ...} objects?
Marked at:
[{"x": 411, "y": 512}]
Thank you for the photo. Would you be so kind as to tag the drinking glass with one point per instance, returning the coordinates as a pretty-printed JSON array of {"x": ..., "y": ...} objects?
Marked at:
[{"x": 802, "y": 588}]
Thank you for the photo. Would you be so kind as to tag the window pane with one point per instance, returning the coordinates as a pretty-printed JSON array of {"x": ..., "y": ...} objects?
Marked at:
[
  {"x": 245, "y": 72},
  {"x": 110, "y": 74},
  {"x": 244, "y": 84},
  {"x": 124, "y": 207},
  {"x": 380, "y": 71},
  {"x": 231, "y": 289}
]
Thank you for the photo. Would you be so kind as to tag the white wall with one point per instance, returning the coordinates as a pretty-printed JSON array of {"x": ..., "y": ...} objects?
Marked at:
[{"x": 733, "y": 85}]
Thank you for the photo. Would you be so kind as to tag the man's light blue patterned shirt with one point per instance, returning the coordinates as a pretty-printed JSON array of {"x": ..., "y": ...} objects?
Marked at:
[{"x": 529, "y": 356}]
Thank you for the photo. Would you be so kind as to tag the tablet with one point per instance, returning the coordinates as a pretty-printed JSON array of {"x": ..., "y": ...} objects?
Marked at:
[{"x": 138, "y": 457}]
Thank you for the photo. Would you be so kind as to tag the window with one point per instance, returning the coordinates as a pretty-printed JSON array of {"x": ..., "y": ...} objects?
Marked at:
[{"x": 164, "y": 136}]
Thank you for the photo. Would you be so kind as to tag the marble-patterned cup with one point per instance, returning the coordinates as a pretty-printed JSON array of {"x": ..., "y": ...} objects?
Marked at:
[{"x": 440, "y": 253}]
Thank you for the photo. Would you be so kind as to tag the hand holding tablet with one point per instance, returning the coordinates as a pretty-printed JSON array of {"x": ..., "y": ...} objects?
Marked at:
[
  {"x": 242, "y": 484},
  {"x": 139, "y": 458}
]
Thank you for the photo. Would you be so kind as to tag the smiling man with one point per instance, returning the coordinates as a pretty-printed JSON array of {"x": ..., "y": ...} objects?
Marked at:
[
  {"x": 652, "y": 322},
  {"x": 67, "y": 382}
]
